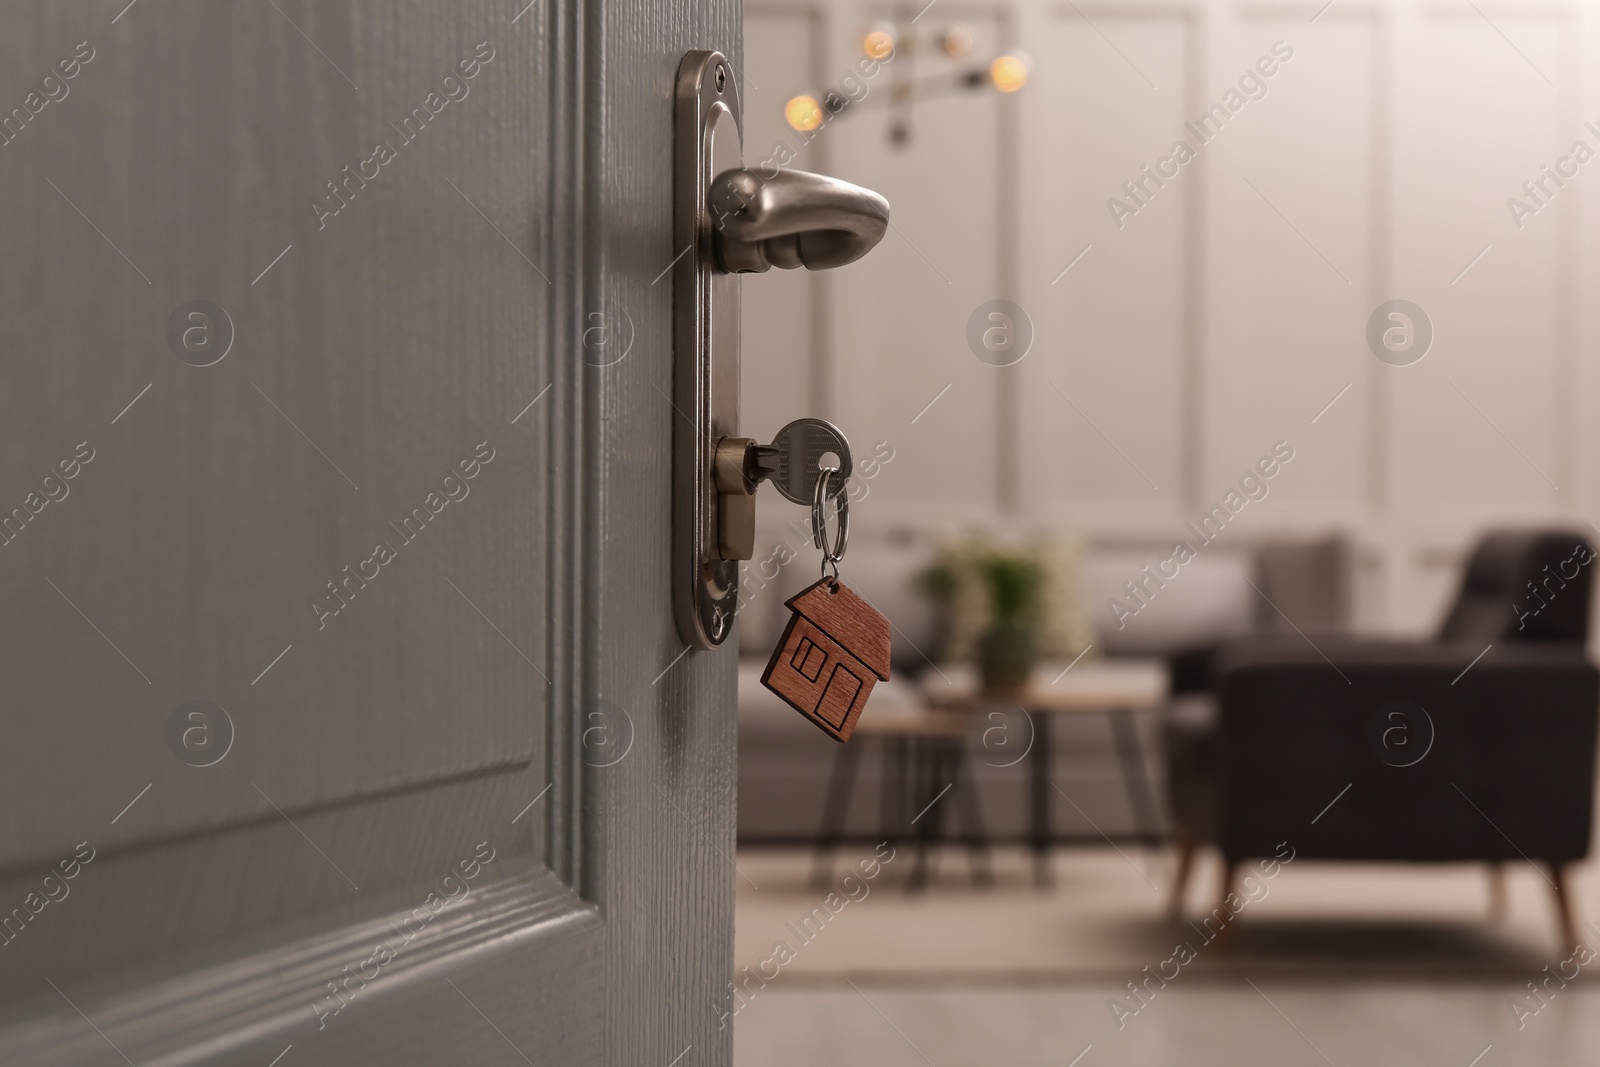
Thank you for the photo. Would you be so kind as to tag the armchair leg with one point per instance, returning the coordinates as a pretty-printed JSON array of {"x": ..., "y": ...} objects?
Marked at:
[
  {"x": 1230, "y": 871},
  {"x": 1497, "y": 892},
  {"x": 1563, "y": 901},
  {"x": 1180, "y": 880}
]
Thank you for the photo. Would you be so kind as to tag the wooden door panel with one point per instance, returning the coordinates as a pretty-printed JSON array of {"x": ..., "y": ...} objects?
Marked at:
[
  {"x": 444, "y": 696},
  {"x": 389, "y": 345}
]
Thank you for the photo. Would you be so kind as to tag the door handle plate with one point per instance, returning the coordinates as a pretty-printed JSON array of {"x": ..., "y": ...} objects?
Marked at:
[
  {"x": 727, "y": 221},
  {"x": 707, "y": 135}
]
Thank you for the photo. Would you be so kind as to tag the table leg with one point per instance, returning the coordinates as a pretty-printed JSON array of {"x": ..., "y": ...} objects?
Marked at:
[
  {"x": 893, "y": 786},
  {"x": 1141, "y": 805},
  {"x": 1040, "y": 759},
  {"x": 835, "y": 811},
  {"x": 927, "y": 769},
  {"x": 972, "y": 813}
]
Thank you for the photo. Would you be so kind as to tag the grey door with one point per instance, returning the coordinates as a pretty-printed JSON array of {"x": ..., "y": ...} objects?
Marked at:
[{"x": 344, "y": 720}]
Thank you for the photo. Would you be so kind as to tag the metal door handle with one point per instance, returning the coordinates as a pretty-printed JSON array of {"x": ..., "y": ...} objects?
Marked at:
[
  {"x": 792, "y": 219},
  {"x": 729, "y": 220}
]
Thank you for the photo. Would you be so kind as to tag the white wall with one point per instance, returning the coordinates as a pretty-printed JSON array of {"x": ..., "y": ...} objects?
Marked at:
[{"x": 1228, "y": 312}]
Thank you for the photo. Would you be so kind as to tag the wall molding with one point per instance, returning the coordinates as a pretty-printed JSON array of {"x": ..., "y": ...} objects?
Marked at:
[{"x": 1371, "y": 489}]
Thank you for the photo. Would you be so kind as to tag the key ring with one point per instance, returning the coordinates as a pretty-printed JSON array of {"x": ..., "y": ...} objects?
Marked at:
[{"x": 819, "y": 523}]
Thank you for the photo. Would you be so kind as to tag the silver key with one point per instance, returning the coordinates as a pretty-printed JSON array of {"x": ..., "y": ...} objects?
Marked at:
[{"x": 793, "y": 462}]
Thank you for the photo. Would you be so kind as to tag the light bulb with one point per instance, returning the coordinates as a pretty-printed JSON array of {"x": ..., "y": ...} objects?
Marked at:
[
  {"x": 1009, "y": 73},
  {"x": 878, "y": 43},
  {"x": 803, "y": 113},
  {"x": 956, "y": 42}
]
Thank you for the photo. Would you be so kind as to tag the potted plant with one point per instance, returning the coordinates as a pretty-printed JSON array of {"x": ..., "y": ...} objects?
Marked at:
[
  {"x": 1008, "y": 649},
  {"x": 992, "y": 599}
]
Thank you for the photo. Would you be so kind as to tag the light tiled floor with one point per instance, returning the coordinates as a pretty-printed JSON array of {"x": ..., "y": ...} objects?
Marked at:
[
  {"x": 1341, "y": 964},
  {"x": 1104, "y": 918},
  {"x": 1210, "y": 1023}
]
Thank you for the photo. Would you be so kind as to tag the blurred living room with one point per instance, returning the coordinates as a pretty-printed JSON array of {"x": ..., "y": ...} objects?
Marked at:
[{"x": 1224, "y": 464}]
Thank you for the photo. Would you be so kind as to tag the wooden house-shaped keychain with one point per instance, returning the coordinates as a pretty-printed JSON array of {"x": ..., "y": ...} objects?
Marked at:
[{"x": 833, "y": 652}]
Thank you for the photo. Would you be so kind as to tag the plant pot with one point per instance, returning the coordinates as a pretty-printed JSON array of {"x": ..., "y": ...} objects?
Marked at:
[{"x": 1006, "y": 656}]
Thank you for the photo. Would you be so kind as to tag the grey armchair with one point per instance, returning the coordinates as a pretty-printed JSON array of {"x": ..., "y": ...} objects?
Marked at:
[{"x": 1305, "y": 741}]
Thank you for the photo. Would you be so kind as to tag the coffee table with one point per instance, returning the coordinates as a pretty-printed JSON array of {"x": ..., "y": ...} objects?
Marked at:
[
  {"x": 1115, "y": 688},
  {"x": 921, "y": 747}
]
